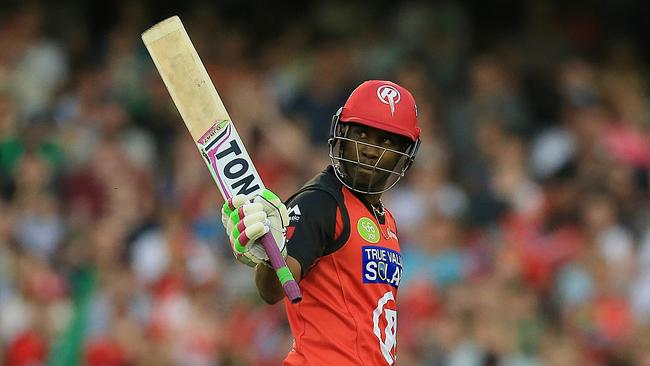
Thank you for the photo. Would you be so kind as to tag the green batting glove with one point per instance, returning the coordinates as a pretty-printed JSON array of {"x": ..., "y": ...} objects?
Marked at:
[{"x": 247, "y": 219}]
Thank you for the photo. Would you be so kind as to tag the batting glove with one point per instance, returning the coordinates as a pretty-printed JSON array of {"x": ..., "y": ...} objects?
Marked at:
[{"x": 247, "y": 219}]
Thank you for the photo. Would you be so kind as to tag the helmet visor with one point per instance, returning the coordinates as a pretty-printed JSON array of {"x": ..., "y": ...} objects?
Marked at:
[{"x": 368, "y": 177}]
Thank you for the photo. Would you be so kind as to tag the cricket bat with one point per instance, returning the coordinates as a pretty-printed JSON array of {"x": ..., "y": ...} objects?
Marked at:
[{"x": 210, "y": 125}]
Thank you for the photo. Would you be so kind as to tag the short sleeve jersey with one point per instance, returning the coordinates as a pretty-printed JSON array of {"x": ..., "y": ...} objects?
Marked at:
[{"x": 351, "y": 267}]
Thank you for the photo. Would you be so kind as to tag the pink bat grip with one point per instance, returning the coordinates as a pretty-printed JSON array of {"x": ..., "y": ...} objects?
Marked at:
[{"x": 289, "y": 285}]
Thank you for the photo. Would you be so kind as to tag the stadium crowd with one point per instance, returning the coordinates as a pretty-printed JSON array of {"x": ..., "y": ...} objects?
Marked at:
[{"x": 524, "y": 224}]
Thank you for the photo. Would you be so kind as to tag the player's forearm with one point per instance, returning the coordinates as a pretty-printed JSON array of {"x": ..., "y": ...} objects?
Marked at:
[{"x": 268, "y": 284}]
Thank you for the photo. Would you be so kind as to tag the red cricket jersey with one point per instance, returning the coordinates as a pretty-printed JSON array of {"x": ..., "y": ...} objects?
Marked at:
[{"x": 348, "y": 314}]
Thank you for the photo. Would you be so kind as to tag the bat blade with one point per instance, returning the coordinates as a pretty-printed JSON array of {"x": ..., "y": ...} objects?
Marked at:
[
  {"x": 201, "y": 108},
  {"x": 209, "y": 124},
  {"x": 185, "y": 76}
]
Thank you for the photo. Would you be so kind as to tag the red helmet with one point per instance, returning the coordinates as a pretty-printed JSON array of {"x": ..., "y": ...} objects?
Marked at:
[{"x": 383, "y": 105}]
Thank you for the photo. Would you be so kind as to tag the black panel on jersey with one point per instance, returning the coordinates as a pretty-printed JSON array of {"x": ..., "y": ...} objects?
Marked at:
[{"x": 311, "y": 233}]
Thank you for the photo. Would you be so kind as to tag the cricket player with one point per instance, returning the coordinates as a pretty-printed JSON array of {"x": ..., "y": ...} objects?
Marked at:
[{"x": 340, "y": 242}]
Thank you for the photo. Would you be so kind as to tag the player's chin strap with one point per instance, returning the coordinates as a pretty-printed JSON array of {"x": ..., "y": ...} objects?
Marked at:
[{"x": 335, "y": 154}]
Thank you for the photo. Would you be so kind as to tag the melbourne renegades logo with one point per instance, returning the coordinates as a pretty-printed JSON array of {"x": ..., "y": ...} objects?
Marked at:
[
  {"x": 385, "y": 317},
  {"x": 389, "y": 95}
]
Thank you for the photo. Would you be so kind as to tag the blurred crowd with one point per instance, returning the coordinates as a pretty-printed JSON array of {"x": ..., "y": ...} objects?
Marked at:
[{"x": 524, "y": 224}]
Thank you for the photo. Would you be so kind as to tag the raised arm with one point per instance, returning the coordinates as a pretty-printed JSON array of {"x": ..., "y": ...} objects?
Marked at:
[{"x": 267, "y": 281}]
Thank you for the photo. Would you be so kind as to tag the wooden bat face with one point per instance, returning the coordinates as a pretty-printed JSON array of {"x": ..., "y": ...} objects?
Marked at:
[{"x": 201, "y": 108}]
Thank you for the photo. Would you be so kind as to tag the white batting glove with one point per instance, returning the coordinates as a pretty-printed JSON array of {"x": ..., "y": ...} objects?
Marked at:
[{"x": 246, "y": 220}]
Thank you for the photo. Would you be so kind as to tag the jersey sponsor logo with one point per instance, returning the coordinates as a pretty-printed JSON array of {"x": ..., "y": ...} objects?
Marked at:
[
  {"x": 389, "y": 95},
  {"x": 391, "y": 234},
  {"x": 386, "y": 336},
  {"x": 381, "y": 265},
  {"x": 368, "y": 230},
  {"x": 294, "y": 213}
]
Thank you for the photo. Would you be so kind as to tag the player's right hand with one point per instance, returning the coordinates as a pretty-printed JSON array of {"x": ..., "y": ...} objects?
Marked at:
[{"x": 247, "y": 219}]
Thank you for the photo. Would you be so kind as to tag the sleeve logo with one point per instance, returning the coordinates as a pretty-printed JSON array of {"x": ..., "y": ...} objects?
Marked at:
[
  {"x": 381, "y": 265},
  {"x": 368, "y": 230},
  {"x": 294, "y": 213}
]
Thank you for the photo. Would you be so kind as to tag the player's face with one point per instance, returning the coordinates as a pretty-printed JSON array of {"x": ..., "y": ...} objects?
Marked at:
[{"x": 376, "y": 153}]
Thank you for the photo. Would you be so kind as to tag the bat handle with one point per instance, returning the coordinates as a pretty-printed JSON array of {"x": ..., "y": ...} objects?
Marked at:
[{"x": 289, "y": 285}]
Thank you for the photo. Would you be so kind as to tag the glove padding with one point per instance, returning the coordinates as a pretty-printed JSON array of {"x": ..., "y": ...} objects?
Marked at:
[{"x": 247, "y": 219}]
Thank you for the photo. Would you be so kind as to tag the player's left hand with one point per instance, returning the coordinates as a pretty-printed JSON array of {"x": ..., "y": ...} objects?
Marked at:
[{"x": 247, "y": 219}]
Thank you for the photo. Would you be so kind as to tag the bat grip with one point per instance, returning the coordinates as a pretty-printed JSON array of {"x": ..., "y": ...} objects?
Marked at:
[{"x": 278, "y": 263}]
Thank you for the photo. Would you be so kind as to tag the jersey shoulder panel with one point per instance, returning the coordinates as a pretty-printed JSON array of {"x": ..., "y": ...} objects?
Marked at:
[{"x": 318, "y": 219}]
